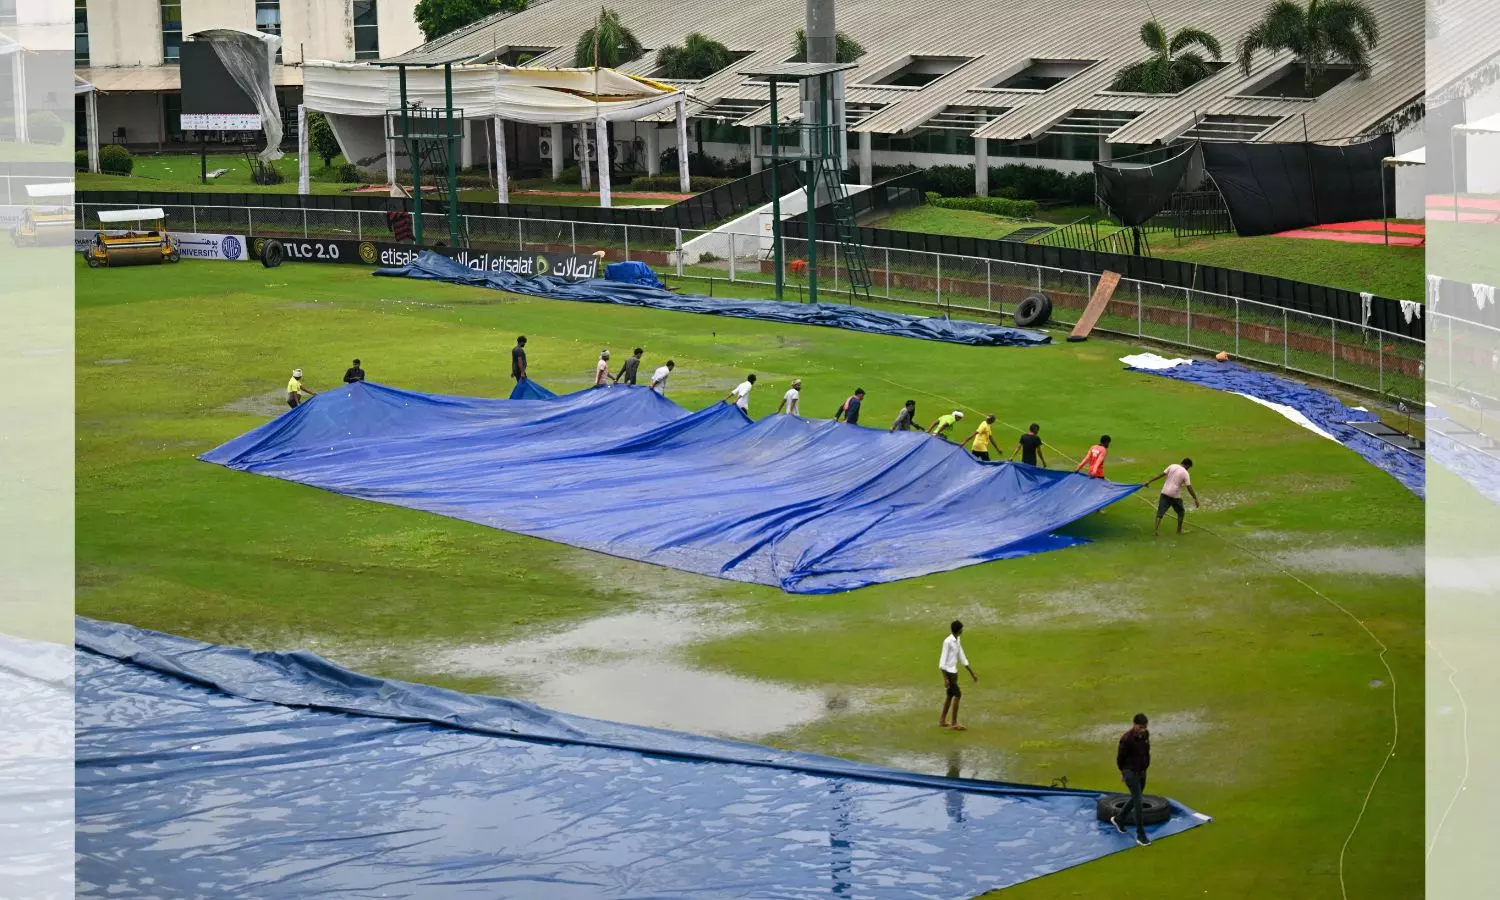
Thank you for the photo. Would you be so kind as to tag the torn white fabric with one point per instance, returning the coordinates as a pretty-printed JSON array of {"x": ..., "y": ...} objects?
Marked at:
[
  {"x": 1434, "y": 290},
  {"x": 1365, "y": 297},
  {"x": 1410, "y": 309},
  {"x": 1484, "y": 293},
  {"x": 249, "y": 57},
  {"x": 1291, "y": 414},
  {"x": 1152, "y": 362}
]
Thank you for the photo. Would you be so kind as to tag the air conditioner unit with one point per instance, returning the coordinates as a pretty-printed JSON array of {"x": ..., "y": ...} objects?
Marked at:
[{"x": 544, "y": 148}]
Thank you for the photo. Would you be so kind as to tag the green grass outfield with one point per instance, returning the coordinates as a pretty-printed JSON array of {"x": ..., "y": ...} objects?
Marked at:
[
  {"x": 1395, "y": 272},
  {"x": 1272, "y": 709}
]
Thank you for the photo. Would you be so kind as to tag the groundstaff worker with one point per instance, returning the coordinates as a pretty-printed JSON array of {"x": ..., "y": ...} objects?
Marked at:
[{"x": 295, "y": 390}]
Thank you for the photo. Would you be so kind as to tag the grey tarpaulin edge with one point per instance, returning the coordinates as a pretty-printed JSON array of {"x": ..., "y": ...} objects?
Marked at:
[{"x": 327, "y": 687}]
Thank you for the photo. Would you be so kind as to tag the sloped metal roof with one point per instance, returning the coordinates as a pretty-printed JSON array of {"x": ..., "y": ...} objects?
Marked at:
[{"x": 995, "y": 41}]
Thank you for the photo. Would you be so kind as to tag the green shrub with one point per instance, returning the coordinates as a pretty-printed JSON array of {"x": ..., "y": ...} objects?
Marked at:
[
  {"x": 670, "y": 184},
  {"x": 1042, "y": 183},
  {"x": 81, "y": 161},
  {"x": 44, "y": 127},
  {"x": 115, "y": 160},
  {"x": 998, "y": 206},
  {"x": 950, "y": 181},
  {"x": 346, "y": 172}
]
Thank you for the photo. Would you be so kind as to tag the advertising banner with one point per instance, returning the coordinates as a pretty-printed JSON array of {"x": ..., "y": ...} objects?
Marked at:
[
  {"x": 222, "y": 247},
  {"x": 570, "y": 266}
]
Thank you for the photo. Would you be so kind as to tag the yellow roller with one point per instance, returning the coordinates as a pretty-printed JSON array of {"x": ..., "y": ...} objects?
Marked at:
[{"x": 140, "y": 246}]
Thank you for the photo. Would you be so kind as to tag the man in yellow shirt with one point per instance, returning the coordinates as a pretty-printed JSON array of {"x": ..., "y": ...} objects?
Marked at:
[
  {"x": 982, "y": 437},
  {"x": 295, "y": 390}
]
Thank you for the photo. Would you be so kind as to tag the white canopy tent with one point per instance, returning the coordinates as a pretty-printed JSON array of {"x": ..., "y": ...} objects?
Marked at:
[
  {"x": 348, "y": 92},
  {"x": 1417, "y": 157},
  {"x": 1486, "y": 125}
]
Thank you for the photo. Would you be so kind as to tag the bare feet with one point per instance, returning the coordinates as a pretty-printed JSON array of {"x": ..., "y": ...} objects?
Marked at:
[
  {"x": 957, "y": 727},
  {"x": 944, "y": 725}
]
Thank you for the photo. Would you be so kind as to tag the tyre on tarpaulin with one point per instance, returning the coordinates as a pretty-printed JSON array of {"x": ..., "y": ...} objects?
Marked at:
[
  {"x": 1034, "y": 310},
  {"x": 272, "y": 253},
  {"x": 1154, "y": 809}
]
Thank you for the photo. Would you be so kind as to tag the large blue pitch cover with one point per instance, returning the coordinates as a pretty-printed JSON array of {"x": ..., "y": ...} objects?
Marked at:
[
  {"x": 810, "y": 506},
  {"x": 431, "y": 266},
  {"x": 210, "y": 771}
]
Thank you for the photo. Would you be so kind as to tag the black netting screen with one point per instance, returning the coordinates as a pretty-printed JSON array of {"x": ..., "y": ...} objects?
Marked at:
[
  {"x": 1134, "y": 193},
  {"x": 1279, "y": 187}
]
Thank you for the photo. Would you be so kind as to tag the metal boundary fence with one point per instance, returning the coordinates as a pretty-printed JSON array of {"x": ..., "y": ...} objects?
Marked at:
[{"x": 1369, "y": 359}]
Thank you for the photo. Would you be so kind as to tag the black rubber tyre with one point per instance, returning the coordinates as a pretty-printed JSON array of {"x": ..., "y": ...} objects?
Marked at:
[
  {"x": 173, "y": 255},
  {"x": 1034, "y": 310},
  {"x": 1155, "y": 810},
  {"x": 93, "y": 261},
  {"x": 272, "y": 253}
]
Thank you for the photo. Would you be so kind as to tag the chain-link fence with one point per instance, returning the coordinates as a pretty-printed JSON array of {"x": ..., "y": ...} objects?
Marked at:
[{"x": 739, "y": 263}]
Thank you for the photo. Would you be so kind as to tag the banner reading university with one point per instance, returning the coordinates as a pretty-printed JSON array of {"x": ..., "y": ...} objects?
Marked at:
[{"x": 570, "y": 266}]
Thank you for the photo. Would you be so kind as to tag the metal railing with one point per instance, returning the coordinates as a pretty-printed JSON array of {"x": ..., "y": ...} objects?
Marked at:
[{"x": 1365, "y": 358}]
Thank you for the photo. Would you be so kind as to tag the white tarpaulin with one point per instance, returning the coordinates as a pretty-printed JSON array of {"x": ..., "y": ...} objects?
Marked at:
[
  {"x": 1417, "y": 157},
  {"x": 535, "y": 96},
  {"x": 249, "y": 57}
]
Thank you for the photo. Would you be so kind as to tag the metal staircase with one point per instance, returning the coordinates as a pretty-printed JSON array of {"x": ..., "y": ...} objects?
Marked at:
[{"x": 845, "y": 228}]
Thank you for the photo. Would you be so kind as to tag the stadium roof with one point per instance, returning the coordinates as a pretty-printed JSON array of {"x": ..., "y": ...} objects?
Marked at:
[{"x": 1013, "y": 71}]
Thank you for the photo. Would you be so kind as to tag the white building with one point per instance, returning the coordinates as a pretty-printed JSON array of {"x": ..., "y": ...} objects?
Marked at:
[{"x": 128, "y": 50}]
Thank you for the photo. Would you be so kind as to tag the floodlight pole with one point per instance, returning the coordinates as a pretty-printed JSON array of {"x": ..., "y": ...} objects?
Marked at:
[
  {"x": 452, "y": 163},
  {"x": 412, "y": 164},
  {"x": 775, "y": 192}
]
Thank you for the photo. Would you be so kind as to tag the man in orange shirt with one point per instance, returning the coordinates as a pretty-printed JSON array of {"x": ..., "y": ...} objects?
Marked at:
[{"x": 1094, "y": 461}]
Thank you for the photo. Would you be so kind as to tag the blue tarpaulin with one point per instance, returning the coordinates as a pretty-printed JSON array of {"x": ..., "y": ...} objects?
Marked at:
[
  {"x": 632, "y": 272},
  {"x": 433, "y": 267},
  {"x": 811, "y": 506},
  {"x": 1480, "y": 469},
  {"x": 1320, "y": 407},
  {"x": 36, "y": 769},
  {"x": 210, "y": 771}
]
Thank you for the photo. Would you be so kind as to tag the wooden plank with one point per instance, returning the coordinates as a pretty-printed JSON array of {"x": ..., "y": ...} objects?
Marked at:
[{"x": 1104, "y": 291}]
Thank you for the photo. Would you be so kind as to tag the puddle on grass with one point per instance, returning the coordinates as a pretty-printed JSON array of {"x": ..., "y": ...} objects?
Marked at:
[
  {"x": 623, "y": 668},
  {"x": 1386, "y": 562},
  {"x": 267, "y": 406},
  {"x": 1173, "y": 725},
  {"x": 112, "y": 362}
]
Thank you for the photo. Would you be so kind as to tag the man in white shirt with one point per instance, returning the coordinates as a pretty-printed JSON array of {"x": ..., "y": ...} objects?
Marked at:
[
  {"x": 789, "y": 400},
  {"x": 601, "y": 370},
  {"x": 1177, "y": 478},
  {"x": 952, "y": 657},
  {"x": 659, "y": 378},
  {"x": 741, "y": 394}
]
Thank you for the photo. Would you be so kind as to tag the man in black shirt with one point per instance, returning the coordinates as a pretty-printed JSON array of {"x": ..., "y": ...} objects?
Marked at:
[
  {"x": 1133, "y": 759},
  {"x": 1030, "y": 447},
  {"x": 629, "y": 367},
  {"x": 849, "y": 412},
  {"x": 354, "y": 373},
  {"x": 904, "y": 417},
  {"x": 518, "y": 359}
]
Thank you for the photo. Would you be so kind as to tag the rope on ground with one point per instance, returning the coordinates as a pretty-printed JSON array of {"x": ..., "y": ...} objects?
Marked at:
[
  {"x": 1382, "y": 649},
  {"x": 1463, "y": 783}
]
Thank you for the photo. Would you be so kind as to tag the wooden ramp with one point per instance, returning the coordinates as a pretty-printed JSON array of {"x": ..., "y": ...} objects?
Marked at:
[{"x": 1103, "y": 292}]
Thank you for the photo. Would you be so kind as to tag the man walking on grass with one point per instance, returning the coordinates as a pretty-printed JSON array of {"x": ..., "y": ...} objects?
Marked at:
[
  {"x": 904, "y": 419},
  {"x": 601, "y": 369},
  {"x": 1030, "y": 447},
  {"x": 518, "y": 360},
  {"x": 659, "y": 377},
  {"x": 295, "y": 390},
  {"x": 849, "y": 412},
  {"x": 1177, "y": 478},
  {"x": 1133, "y": 759},
  {"x": 952, "y": 657},
  {"x": 791, "y": 400},
  {"x": 626, "y": 375},
  {"x": 982, "y": 437}
]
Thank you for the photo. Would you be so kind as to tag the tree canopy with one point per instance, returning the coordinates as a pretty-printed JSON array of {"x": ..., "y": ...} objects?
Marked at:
[
  {"x": 439, "y": 17},
  {"x": 697, "y": 58},
  {"x": 1174, "y": 65},
  {"x": 847, "y": 49},
  {"x": 616, "y": 45},
  {"x": 1323, "y": 33}
]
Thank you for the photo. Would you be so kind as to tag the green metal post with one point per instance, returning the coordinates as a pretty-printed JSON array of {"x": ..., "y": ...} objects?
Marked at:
[
  {"x": 814, "y": 164},
  {"x": 776, "y": 193},
  {"x": 452, "y": 162},
  {"x": 413, "y": 163}
]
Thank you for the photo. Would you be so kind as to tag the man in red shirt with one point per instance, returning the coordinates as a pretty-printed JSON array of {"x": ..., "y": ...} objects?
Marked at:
[{"x": 1094, "y": 461}]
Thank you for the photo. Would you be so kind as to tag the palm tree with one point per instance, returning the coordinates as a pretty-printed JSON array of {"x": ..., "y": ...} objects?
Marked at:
[
  {"x": 846, "y": 49},
  {"x": 697, "y": 58},
  {"x": 1173, "y": 66},
  {"x": 615, "y": 46},
  {"x": 1322, "y": 33}
]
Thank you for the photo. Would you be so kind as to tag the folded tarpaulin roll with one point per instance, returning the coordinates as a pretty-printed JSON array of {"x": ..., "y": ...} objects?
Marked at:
[{"x": 632, "y": 272}]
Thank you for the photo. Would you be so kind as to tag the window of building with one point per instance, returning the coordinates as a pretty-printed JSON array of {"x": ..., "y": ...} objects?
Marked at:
[
  {"x": 171, "y": 30},
  {"x": 268, "y": 19},
  {"x": 1041, "y": 74},
  {"x": 918, "y": 71},
  {"x": 1290, "y": 82},
  {"x": 80, "y": 32},
  {"x": 366, "y": 30},
  {"x": 1230, "y": 128}
]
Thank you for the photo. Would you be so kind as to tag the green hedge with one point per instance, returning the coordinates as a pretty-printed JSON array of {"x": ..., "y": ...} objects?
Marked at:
[
  {"x": 670, "y": 184},
  {"x": 115, "y": 160},
  {"x": 999, "y": 206}
]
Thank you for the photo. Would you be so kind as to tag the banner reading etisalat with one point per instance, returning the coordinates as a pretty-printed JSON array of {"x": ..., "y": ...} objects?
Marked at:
[{"x": 570, "y": 266}]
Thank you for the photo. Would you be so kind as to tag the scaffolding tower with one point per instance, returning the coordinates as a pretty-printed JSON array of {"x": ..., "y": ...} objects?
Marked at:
[
  {"x": 432, "y": 137},
  {"x": 818, "y": 148}
]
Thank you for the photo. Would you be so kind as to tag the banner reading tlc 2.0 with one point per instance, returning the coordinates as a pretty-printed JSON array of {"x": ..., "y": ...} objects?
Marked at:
[{"x": 571, "y": 266}]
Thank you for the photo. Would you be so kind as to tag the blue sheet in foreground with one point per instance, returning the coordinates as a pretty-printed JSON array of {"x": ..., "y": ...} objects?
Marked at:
[
  {"x": 433, "y": 267},
  {"x": 1321, "y": 408},
  {"x": 808, "y": 505},
  {"x": 209, "y": 771}
]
